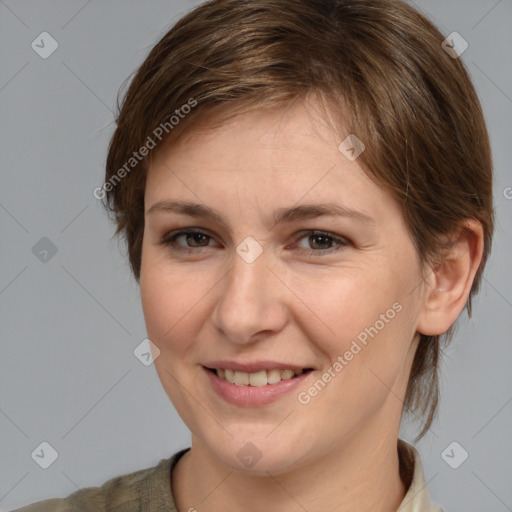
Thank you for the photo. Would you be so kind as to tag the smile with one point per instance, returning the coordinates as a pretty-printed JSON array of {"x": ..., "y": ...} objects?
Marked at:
[
  {"x": 261, "y": 378},
  {"x": 257, "y": 388}
]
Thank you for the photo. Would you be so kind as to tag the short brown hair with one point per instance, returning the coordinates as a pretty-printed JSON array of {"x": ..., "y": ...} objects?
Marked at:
[{"x": 380, "y": 66}]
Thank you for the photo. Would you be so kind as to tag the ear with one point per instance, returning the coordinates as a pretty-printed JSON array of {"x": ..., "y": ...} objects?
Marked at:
[{"x": 449, "y": 284}]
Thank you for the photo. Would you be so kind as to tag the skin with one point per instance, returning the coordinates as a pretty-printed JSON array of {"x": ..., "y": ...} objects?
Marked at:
[{"x": 204, "y": 302}]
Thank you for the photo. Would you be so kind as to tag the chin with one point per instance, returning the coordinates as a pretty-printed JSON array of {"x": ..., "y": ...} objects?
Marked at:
[{"x": 259, "y": 456}]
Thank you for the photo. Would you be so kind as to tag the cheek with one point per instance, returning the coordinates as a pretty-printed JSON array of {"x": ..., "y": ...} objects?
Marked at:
[
  {"x": 367, "y": 317},
  {"x": 339, "y": 307},
  {"x": 365, "y": 355},
  {"x": 168, "y": 300}
]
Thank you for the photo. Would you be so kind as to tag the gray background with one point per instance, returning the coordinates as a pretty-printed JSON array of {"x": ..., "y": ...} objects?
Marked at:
[{"x": 69, "y": 325}]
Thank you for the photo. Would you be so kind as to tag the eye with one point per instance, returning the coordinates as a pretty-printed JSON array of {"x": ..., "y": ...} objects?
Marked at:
[
  {"x": 322, "y": 242},
  {"x": 192, "y": 239}
]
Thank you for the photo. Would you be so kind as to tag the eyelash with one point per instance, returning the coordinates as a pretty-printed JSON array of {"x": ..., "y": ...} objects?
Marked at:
[{"x": 169, "y": 240}]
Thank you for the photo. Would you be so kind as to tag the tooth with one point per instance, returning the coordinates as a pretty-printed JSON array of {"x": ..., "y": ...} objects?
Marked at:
[
  {"x": 258, "y": 378},
  {"x": 287, "y": 374},
  {"x": 273, "y": 376},
  {"x": 241, "y": 378}
]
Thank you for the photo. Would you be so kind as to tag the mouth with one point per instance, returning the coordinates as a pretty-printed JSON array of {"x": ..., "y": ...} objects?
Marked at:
[
  {"x": 257, "y": 388},
  {"x": 261, "y": 378}
]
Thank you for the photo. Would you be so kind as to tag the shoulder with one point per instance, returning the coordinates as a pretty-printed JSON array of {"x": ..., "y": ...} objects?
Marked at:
[{"x": 130, "y": 492}]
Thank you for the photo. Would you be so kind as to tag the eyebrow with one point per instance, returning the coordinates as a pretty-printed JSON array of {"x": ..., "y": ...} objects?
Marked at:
[{"x": 306, "y": 211}]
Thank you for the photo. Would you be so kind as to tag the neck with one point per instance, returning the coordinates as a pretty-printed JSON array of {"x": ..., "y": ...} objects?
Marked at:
[{"x": 364, "y": 475}]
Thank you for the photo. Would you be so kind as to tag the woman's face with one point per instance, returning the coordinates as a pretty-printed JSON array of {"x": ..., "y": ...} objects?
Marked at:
[{"x": 337, "y": 294}]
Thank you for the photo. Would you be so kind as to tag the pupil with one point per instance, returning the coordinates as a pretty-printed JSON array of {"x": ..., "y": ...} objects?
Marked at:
[
  {"x": 197, "y": 238},
  {"x": 320, "y": 237}
]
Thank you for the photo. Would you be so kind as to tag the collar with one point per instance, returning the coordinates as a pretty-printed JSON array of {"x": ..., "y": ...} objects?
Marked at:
[{"x": 417, "y": 498}]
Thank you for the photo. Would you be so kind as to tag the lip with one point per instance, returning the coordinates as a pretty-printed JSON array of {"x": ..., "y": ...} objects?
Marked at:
[
  {"x": 256, "y": 366},
  {"x": 254, "y": 396}
]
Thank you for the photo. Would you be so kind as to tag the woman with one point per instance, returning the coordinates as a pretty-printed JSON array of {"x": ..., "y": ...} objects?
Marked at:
[{"x": 305, "y": 190}]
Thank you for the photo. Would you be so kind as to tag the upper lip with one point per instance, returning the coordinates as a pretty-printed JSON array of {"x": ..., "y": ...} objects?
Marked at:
[{"x": 255, "y": 366}]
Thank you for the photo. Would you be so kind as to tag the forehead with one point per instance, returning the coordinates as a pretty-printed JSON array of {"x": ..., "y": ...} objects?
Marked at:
[
  {"x": 295, "y": 127},
  {"x": 269, "y": 158}
]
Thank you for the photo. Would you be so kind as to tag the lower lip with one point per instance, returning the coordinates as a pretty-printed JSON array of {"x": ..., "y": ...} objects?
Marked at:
[{"x": 251, "y": 396}]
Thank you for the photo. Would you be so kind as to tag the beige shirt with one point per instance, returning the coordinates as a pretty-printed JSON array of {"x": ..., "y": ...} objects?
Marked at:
[{"x": 149, "y": 490}]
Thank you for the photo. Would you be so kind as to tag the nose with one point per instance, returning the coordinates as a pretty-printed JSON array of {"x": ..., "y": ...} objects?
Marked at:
[{"x": 251, "y": 302}]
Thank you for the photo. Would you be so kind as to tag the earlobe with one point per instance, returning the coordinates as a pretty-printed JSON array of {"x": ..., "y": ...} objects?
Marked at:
[{"x": 449, "y": 285}]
